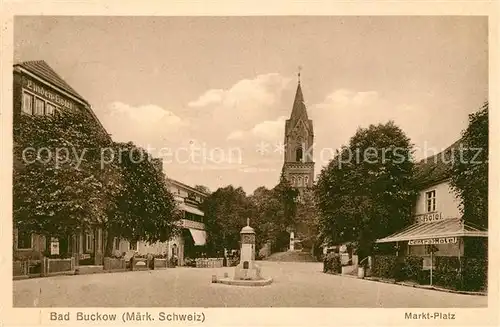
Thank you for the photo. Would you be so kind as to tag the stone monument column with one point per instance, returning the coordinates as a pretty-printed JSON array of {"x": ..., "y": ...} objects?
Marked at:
[{"x": 247, "y": 269}]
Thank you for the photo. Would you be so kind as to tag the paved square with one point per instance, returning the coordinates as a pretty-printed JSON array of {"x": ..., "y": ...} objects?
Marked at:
[{"x": 295, "y": 285}]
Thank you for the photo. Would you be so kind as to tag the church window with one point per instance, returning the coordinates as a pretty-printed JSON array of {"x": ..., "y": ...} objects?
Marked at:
[
  {"x": 293, "y": 181},
  {"x": 299, "y": 181},
  {"x": 298, "y": 154},
  {"x": 306, "y": 180}
]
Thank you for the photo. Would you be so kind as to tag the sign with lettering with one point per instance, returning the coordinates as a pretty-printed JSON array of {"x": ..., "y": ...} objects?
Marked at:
[
  {"x": 47, "y": 94},
  {"x": 186, "y": 223},
  {"x": 54, "y": 246},
  {"x": 429, "y": 241},
  {"x": 84, "y": 256},
  {"x": 429, "y": 217}
]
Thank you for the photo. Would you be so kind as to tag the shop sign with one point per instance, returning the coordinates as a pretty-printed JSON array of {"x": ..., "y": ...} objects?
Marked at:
[
  {"x": 47, "y": 94},
  {"x": 54, "y": 246},
  {"x": 186, "y": 223},
  {"x": 84, "y": 256},
  {"x": 429, "y": 217},
  {"x": 433, "y": 241}
]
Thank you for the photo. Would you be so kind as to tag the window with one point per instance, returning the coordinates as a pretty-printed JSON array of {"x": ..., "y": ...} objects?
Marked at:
[
  {"x": 117, "y": 243},
  {"x": 294, "y": 181},
  {"x": 306, "y": 180},
  {"x": 28, "y": 103},
  {"x": 133, "y": 246},
  {"x": 430, "y": 201},
  {"x": 88, "y": 242},
  {"x": 298, "y": 154},
  {"x": 50, "y": 109},
  {"x": 39, "y": 107},
  {"x": 24, "y": 240},
  {"x": 299, "y": 181}
]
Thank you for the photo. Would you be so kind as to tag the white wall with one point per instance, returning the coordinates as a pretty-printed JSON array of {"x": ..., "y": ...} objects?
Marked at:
[{"x": 447, "y": 202}]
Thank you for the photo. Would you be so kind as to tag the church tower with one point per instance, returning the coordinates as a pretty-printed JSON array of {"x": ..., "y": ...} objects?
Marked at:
[{"x": 298, "y": 166}]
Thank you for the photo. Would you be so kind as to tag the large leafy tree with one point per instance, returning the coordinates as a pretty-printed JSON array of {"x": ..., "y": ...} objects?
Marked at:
[
  {"x": 307, "y": 220},
  {"x": 470, "y": 169},
  {"x": 58, "y": 186},
  {"x": 144, "y": 210},
  {"x": 276, "y": 212},
  {"x": 226, "y": 211},
  {"x": 366, "y": 192}
]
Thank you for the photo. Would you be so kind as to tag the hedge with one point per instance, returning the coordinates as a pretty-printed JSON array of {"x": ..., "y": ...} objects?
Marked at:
[
  {"x": 465, "y": 274},
  {"x": 332, "y": 264},
  {"x": 384, "y": 266}
]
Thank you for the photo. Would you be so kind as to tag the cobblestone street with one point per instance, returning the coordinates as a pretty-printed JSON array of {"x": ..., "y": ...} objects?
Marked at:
[{"x": 295, "y": 285}]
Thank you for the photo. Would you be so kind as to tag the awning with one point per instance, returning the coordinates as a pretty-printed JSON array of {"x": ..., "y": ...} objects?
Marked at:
[
  {"x": 444, "y": 228},
  {"x": 199, "y": 236},
  {"x": 190, "y": 209}
]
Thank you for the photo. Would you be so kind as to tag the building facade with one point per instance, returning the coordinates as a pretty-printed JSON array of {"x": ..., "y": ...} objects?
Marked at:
[
  {"x": 437, "y": 225},
  {"x": 189, "y": 243},
  {"x": 39, "y": 90},
  {"x": 298, "y": 165}
]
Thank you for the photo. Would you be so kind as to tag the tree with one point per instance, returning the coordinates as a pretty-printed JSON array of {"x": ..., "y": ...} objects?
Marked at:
[
  {"x": 144, "y": 210},
  {"x": 226, "y": 211},
  {"x": 202, "y": 188},
  {"x": 366, "y": 192},
  {"x": 470, "y": 169},
  {"x": 307, "y": 220},
  {"x": 58, "y": 187}
]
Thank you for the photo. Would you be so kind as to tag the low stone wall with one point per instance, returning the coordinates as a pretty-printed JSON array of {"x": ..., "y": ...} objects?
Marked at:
[
  {"x": 160, "y": 263},
  {"x": 139, "y": 264},
  {"x": 209, "y": 262},
  {"x": 20, "y": 269},
  {"x": 52, "y": 267},
  {"x": 114, "y": 264}
]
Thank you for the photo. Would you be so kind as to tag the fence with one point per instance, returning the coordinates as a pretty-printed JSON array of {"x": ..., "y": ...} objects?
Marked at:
[
  {"x": 114, "y": 264},
  {"x": 209, "y": 262},
  {"x": 53, "y": 267}
]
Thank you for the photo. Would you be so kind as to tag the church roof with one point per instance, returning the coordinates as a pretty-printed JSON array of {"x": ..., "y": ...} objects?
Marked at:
[
  {"x": 299, "y": 112},
  {"x": 41, "y": 69},
  {"x": 299, "y": 107}
]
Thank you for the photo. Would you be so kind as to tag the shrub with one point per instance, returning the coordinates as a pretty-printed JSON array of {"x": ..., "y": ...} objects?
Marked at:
[
  {"x": 447, "y": 272},
  {"x": 385, "y": 266},
  {"x": 332, "y": 263},
  {"x": 412, "y": 268},
  {"x": 474, "y": 274}
]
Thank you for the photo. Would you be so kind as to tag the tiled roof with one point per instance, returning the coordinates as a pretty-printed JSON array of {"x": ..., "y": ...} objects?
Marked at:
[
  {"x": 453, "y": 227},
  {"x": 435, "y": 168},
  {"x": 44, "y": 71}
]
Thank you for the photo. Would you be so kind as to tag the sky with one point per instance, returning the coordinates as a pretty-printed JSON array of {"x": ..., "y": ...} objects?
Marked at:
[{"x": 210, "y": 95}]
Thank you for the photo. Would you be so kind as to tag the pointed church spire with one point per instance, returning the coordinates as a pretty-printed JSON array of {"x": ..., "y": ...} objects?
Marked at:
[{"x": 299, "y": 107}]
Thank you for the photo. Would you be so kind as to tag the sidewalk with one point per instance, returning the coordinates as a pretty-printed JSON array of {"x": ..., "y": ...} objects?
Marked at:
[{"x": 415, "y": 285}]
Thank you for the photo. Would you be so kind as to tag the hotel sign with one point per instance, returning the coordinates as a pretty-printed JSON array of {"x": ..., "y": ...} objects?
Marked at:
[
  {"x": 429, "y": 217},
  {"x": 47, "y": 94},
  {"x": 433, "y": 241}
]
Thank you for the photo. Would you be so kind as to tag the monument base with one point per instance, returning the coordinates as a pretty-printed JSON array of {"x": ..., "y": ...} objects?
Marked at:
[
  {"x": 247, "y": 271},
  {"x": 234, "y": 282}
]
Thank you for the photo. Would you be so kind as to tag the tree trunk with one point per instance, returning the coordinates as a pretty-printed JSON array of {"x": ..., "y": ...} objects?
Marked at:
[{"x": 109, "y": 237}]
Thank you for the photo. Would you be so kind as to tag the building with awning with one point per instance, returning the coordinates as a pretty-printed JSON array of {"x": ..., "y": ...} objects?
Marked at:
[
  {"x": 193, "y": 237},
  {"x": 437, "y": 224}
]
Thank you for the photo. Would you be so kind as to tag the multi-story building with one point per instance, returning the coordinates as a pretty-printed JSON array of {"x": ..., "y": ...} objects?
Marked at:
[
  {"x": 39, "y": 90},
  {"x": 190, "y": 242},
  {"x": 437, "y": 217}
]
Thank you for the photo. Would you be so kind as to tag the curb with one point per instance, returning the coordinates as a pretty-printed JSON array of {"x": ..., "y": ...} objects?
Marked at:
[{"x": 426, "y": 287}]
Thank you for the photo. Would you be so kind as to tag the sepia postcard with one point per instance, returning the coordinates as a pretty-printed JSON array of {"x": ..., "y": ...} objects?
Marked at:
[{"x": 295, "y": 164}]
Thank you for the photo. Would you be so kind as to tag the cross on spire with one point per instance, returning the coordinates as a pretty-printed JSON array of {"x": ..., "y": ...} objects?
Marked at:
[{"x": 298, "y": 74}]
